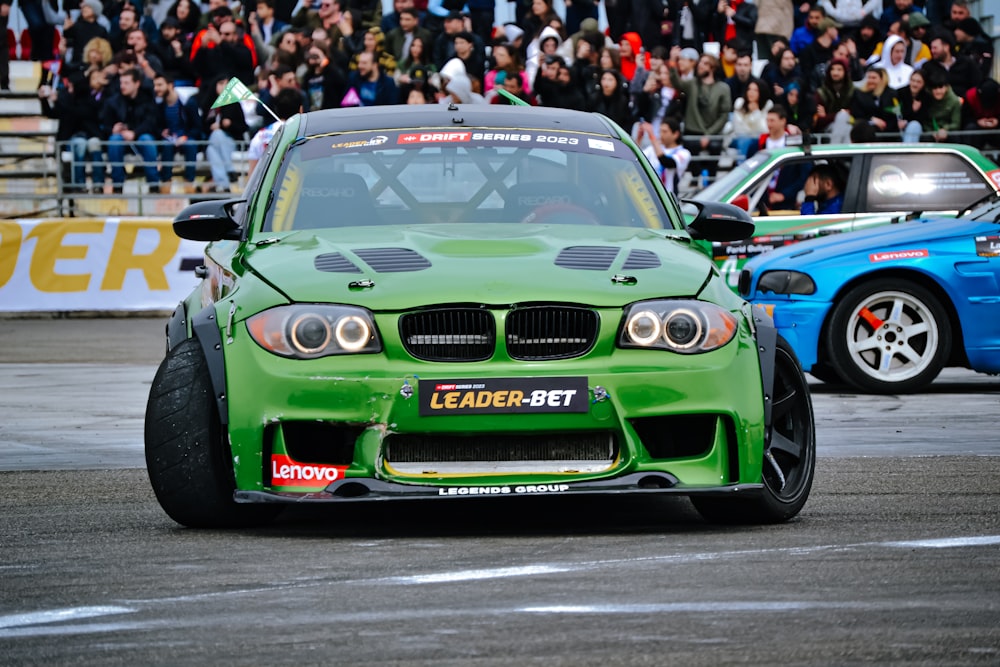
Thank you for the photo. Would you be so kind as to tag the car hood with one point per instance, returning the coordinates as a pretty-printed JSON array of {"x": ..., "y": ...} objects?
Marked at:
[
  {"x": 492, "y": 264},
  {"x": 911, "y": 235}
]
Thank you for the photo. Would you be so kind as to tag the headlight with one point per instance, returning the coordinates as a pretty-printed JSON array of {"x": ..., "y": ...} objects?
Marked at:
[
  {"x": 307, "y": 331},
  {"x": 786, "y": 282},
  {"x": 687, "y": 327}
]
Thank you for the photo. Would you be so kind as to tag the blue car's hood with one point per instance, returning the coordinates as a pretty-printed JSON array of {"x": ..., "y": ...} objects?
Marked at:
[{"x": 912, "y": 235}]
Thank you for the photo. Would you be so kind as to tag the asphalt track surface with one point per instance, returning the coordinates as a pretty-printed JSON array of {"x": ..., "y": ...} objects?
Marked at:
[{"x": 894, "y": 560}]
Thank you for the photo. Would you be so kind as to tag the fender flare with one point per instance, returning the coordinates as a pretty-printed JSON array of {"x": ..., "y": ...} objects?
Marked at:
[
  {"x": 767, "y": 343},
  {"x": 205, "y": 328},
  {"x": 176, "y": 328}
]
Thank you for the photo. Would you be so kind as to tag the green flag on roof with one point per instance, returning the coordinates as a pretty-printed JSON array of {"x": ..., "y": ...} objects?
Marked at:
[{"x": 235, "y": 91}]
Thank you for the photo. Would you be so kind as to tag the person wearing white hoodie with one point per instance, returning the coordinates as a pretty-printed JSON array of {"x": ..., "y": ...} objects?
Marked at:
[
  {"x": 893, "y": 62},
  {"x": 546, "y": 44},
  {"x": 456, "y": 85}
]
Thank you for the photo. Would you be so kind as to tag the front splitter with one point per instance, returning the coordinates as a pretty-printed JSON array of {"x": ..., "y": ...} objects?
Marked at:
[{"x": 373, "y": 490}]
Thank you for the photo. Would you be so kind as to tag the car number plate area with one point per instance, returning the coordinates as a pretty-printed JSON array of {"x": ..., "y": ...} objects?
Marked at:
[{"x": 503, "y": 396}]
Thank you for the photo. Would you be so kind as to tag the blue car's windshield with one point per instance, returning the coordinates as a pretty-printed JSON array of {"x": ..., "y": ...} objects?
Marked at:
[{"x": 437, "y": 176}]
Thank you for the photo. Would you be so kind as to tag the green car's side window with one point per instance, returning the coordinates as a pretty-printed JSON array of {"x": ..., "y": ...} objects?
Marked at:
[{"x": 923, "y": 182}]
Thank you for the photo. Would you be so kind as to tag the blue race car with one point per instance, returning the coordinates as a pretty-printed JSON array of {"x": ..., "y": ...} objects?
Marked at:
[{"x": 885, "y": 309}]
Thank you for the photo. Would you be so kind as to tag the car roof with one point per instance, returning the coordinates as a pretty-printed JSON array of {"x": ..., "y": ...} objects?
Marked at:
[
  {"x": 389, "y": 117},
  {"x": 883, "y": 147}
]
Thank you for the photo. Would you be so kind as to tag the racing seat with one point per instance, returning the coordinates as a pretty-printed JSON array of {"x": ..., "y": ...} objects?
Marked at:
[
  {"x": 339, "y": 199},
  {"x": 542, "y": 201}
]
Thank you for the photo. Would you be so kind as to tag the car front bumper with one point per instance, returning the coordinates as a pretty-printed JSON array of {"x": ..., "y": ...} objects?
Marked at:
[{"x": 351, "y": 428}]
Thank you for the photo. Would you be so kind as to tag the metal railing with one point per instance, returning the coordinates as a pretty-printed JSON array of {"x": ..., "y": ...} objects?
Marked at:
[{"x": 42, "y": 181}]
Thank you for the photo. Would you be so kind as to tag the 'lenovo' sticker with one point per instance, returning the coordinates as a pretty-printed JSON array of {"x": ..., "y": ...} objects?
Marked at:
[{"x": 897, "y": 254}]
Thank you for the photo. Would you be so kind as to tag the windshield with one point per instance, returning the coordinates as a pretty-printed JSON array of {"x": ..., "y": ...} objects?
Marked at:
[
  {"x": 433, "y": 176},
  {"x": 718, "y": 190}
]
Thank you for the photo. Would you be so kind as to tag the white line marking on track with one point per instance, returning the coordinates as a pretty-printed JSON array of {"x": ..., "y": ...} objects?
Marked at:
[
  {"x": 473, "y": 575},
  {"x": 60, "y": 615},
  {"x": 948, "y": 542}
]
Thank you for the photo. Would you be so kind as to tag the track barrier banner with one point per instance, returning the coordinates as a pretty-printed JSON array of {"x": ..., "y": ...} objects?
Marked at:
[{"x": 82, "y": 264}]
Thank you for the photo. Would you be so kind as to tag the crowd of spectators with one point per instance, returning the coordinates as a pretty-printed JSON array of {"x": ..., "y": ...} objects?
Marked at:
[{"x": 687, "y": 77}]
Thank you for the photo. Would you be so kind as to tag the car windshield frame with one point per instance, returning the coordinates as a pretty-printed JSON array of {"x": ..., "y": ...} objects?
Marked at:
[{"x": 467, "y": 175}]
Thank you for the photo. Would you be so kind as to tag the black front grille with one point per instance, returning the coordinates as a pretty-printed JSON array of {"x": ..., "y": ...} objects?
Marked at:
[
  {"x": 453, "y": 334},
  {"x": 550, "y": 332},
  {"x": 595, "y": 446}
]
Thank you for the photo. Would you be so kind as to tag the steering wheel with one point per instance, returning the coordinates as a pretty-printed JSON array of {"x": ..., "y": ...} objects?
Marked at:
[{"x": 560, "y": 213}]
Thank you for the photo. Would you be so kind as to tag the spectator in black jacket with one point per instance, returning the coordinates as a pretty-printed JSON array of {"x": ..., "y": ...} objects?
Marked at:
[
  {"x": 962, "y": 73},
  {"x": 129, "y": 120},
  {"x": 180, "y": 123},
  {"x": 222, "y": 51},
  {"x": 78, "y": 124},
  {"x": 174, "y": 52},
  {"x": 612, "y": 99},
  {"x": 324, "y": 83}
]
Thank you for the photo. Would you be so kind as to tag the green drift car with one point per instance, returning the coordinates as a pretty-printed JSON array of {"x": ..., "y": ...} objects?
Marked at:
[
  {"x": 883, "y": 183},
  {"x": 454, "y": 302}
]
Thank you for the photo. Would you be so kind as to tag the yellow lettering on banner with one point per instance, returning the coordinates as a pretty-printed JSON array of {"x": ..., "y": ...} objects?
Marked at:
[
  {"x": 50, "y": 249},
  {"x": 123, "y": 257},
  {"x": 10, "y": 247}
]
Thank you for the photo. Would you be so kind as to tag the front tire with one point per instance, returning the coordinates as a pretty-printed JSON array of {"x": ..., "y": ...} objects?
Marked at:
[
  {"x": 789, "y": 460},
  {"x": 889, "y": 336},
  {"x": 186, "y": 454}
]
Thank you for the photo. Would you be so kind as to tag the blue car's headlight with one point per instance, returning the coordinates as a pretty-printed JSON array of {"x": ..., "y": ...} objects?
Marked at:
[
  {"x": 683, "y": 326},
  {"x": 786, "y": 282},
  {"x": 307, "y": 331}
]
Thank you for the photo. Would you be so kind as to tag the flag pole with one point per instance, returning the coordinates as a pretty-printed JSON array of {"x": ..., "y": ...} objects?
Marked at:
[{"x": 236, "y": 91}]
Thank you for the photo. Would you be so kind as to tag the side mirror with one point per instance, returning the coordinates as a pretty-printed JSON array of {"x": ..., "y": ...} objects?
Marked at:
[
  {"x": 719, "y": 222},
  {"x": 210, "y": 220}
]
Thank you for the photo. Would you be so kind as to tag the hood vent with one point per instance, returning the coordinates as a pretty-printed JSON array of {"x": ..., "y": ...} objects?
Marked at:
[
  {"x": 393, "y": 260},
  {"x": 642, "y": 259},
  {"x": 588, "y": 258},
  {"x": 334, "y": 262}
]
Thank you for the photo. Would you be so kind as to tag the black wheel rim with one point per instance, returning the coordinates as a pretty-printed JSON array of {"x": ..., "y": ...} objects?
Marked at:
[{"x": 790, "y": 451}]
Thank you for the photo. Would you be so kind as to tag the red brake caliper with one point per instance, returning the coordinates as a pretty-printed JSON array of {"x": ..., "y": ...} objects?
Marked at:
[{"x": 869, "y": 317}]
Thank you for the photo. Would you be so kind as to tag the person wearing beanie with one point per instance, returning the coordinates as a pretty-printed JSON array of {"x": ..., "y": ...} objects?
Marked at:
[
  {"x": 867, "y": 38},
  {"x": 85, "y": 28},
  {"x": 914, "y": 32},
  {"x": 972, "y": 43},
  {"x": 588, "y": 28},
  {"x": 685, "y": 61}
]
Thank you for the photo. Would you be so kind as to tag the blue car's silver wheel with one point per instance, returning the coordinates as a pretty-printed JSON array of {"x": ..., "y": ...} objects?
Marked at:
[{"x": 889, "y": 336}]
